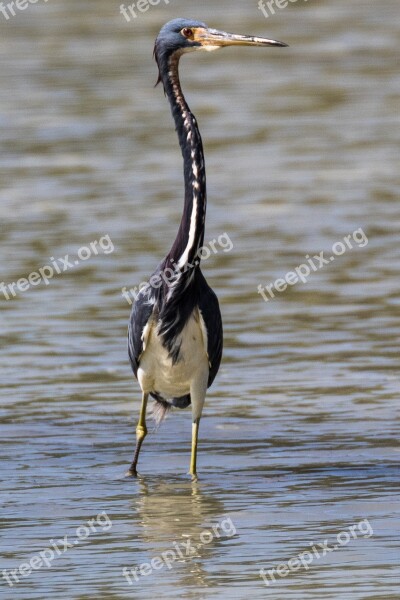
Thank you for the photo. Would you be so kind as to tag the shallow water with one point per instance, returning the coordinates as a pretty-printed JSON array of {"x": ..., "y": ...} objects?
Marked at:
[{"x": 299, "y": 439}]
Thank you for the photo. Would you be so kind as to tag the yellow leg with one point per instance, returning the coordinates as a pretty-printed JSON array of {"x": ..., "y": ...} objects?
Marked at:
[
  {"x": 195, "y": 435},
  {"x": 141, "y": 432}
]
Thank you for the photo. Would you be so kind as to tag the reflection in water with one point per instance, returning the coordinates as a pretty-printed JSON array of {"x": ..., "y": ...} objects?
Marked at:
[
  {"x": 178, "y": 518},
  {"x": 159, "y": 504},
  {"x": 299, "y": 438}
]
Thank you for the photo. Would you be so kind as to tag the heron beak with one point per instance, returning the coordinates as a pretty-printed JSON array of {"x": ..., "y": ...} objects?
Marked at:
[{"x": 211, "y": 39}]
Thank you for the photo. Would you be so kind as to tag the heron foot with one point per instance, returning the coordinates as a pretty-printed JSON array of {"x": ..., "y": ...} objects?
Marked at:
[
  {"x": 193, "y": 475},
  {"x": 131, "y": 473}
]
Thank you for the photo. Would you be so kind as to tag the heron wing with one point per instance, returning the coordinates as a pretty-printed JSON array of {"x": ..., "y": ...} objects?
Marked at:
[
  {"x": 142, "y": 311},
  {"x": 209, "y": 308}
]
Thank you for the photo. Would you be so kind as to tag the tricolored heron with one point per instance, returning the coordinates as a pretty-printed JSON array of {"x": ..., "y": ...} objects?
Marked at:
[{"x": 175, "y": 329}]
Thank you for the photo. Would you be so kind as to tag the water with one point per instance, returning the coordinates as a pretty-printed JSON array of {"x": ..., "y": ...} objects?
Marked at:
[{"x": 299, "y": 439}]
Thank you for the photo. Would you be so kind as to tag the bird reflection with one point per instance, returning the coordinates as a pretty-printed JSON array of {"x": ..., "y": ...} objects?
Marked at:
[{"x": 161, "y": 530}]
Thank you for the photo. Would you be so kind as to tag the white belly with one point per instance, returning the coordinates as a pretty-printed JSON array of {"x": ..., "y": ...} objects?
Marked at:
[{"x": 156, "y": 372}]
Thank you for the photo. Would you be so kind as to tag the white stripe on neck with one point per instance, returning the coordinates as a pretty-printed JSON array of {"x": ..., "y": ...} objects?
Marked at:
[{"x": 192, "y": 232}]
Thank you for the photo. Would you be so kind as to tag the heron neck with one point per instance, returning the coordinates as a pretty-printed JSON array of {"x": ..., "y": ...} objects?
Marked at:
[{"x": 190, "y": 235}]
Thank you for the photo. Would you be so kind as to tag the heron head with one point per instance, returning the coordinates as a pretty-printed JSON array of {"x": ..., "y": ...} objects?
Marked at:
[{"x": 186, "y": 35}]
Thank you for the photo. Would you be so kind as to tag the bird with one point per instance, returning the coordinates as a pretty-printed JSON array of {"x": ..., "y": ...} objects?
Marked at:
[{"x": 175, "y": 334}]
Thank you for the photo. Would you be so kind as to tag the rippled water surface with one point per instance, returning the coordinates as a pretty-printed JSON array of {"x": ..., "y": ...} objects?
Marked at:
[{"x": 299, "y": 439}]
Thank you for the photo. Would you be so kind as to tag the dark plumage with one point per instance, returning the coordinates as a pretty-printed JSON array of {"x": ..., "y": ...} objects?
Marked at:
[{"x": 175, "y": 329}]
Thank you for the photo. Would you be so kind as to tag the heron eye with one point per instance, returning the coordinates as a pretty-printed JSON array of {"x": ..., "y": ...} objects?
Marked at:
[{"x": 187, "y": 32}]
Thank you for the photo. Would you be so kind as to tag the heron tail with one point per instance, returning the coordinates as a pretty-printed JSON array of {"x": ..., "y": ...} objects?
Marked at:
[
  {"x": 160, "y": 410},
  {"x": 161, "y": 407}
]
